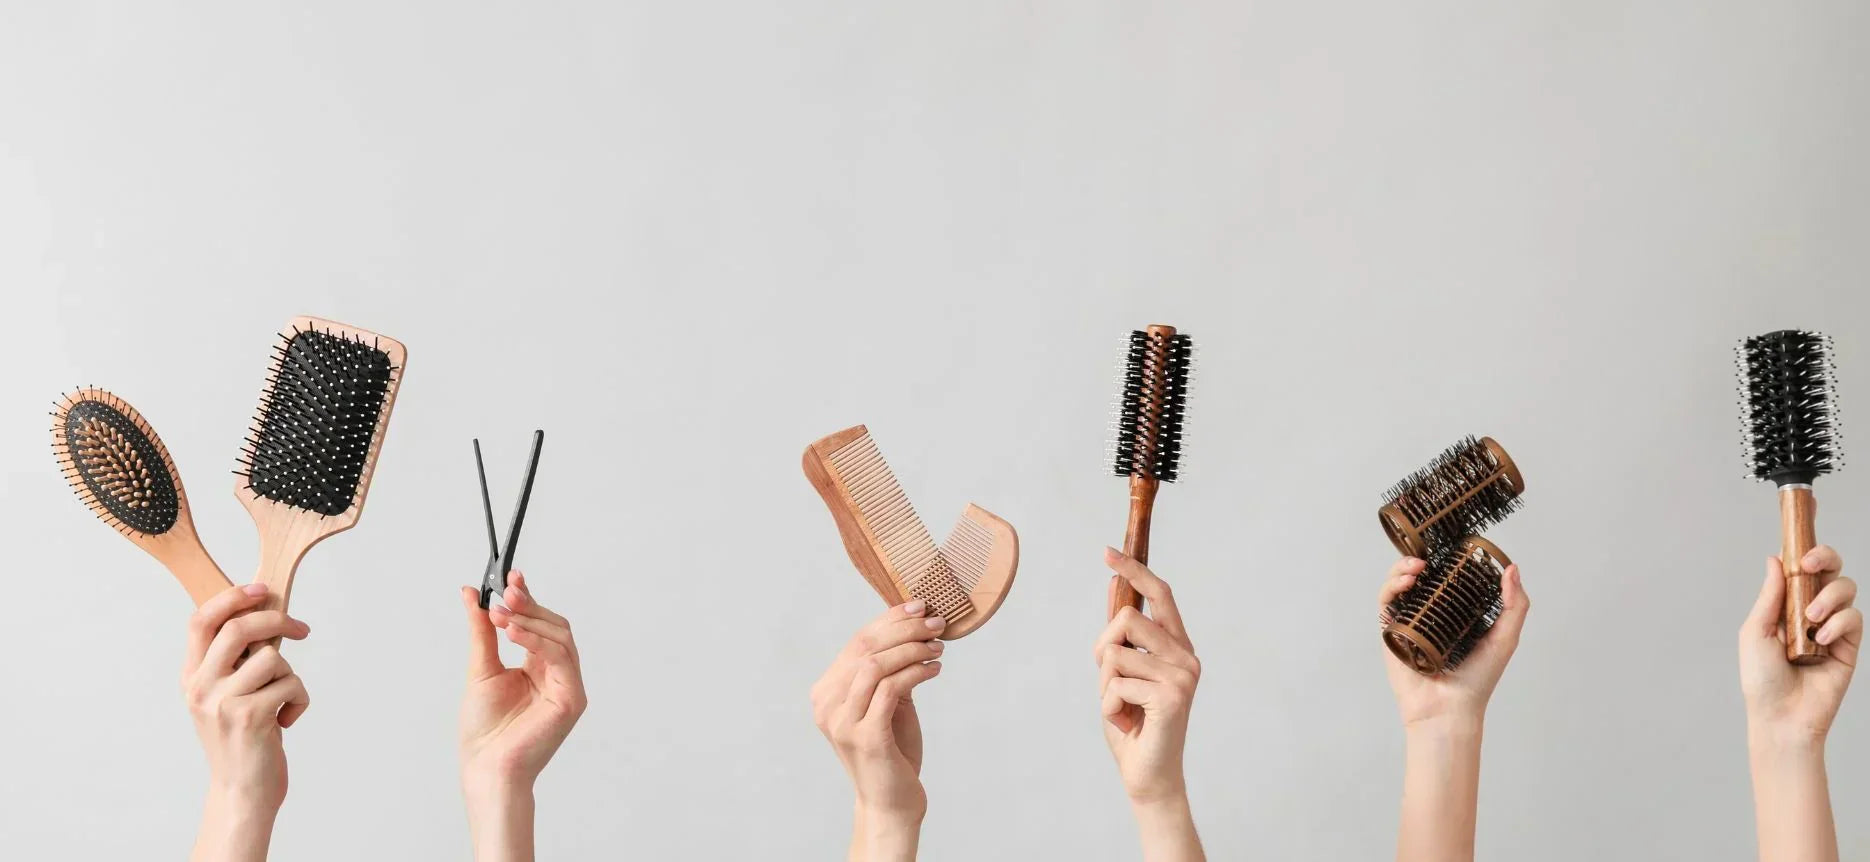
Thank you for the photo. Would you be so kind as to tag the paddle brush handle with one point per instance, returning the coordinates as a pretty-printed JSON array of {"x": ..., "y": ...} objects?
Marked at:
[
  {"x": 1797, "y": 512},
  {"x": 1135, "y": 542}
]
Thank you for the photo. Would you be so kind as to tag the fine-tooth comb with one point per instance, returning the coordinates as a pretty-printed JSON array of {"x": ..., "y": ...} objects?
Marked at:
[
  {"x": 964, "y": 581},
  {"x": 305, "y": 470},
  {"x": 1467, "y": 488},
  {"x": 118, "y": 466},
  {"x": 1436, "y": 623},
  {"x": 1788, "y": 405},
  {"x": 1148, "y": 445}
]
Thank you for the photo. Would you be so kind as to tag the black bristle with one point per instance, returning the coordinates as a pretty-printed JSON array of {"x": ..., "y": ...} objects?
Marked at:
[
  {"x": 1788, "y": 391},
  {"x": 1453, "y": 603},
  {"x": 1467, "y": 466},
  {"x": 116, "y": 466},
  {"x": 1149, "y": 414},
  {"x": 317, "y": 421}
]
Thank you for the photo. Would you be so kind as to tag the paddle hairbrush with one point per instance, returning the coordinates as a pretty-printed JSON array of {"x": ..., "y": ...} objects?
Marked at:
[
  {"x": 1788, "y": 416},
  {"x": 306, "y": 467},
  {"x": 1148, "y": 425},
  {"x": 964, "y": 581},
  {"x": 1434, "y": 624},
  {"x": 118, "y": 466},
  {"x": 1468, "y": 487}
]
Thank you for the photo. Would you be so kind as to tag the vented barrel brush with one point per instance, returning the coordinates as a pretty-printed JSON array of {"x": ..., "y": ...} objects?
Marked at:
[
  {"x": 964, "y": 581},
  {"x": 306, "y": 467},
  {"x": 1434, "y": 624},
  {"x": 1468, "y": 487},
  {"x": 1148, "y": 426},
  {"x": 118, "y": 466},
  {"x": 1788, "y": 401}
]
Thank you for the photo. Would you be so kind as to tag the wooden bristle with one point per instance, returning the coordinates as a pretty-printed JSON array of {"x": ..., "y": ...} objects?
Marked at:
[
  {"x": 315, "y": 434},
  {"x": 1788, "y": 406},
  {"x": 1435, "y": 624},
  {"x": 922, "y": 569},
  {"x": 115, "y": 463},
  {"x": 1151, "y": 406}
]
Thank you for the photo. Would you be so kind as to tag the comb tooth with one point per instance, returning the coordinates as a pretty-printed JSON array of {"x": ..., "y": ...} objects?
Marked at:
[{"x": 896, "y": 529}]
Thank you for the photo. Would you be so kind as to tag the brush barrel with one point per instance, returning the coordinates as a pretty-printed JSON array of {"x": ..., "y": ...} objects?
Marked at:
[
  {"x": 1135, "y": 542},
  {"x": 1428, "y": 637},
  {"x": 1409, "y": 523},
  {"x": 1798, "y": 511}
]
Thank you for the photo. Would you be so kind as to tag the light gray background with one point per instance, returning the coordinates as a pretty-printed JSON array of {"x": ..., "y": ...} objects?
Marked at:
[{"x": 687, "y": 239}]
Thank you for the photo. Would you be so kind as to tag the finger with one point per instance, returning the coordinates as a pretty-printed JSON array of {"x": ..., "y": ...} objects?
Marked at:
[
  {"x": 242, "y": 632},
  {"x": 1120, "y": 715},
  {"x": 1837, "y": 595},
  {"x": 888, "y": 634},
  {"x": 872, "y": 670},
  {"x": 1763, "y": 620},
  {"x": 895, "y": 688},
  {"x": 1822, "y": 560},
  {"x": 555, "y": 653},
  {"x": 285, "y": 698},
  {"x": 1152, "y": 588},
  {"x": 1849, "y": 621},
  {"x": 1130, "y": 664},
  {"x": 214, "y": 613},
  {"x": 1402, "y": 576},
  {"x": 1149, "y": 696},
  {"x": 1500, "y": 641},
  {"x": 1131, "y": 626},
  {"x": 519, "y": 600},
  {"x": 261, "y": 667},
  {"x": 483, "y": 644}
]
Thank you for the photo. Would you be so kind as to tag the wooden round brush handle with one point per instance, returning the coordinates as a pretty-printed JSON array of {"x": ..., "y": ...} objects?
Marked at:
[
  {"x": 1797, "y": 512},
  {"x": 1135, "y": 542}
]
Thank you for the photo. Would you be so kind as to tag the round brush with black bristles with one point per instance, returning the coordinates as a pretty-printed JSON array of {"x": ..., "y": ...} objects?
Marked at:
[
  {"x": 1788, "y": 404},
  {"x": 117, "y": 465},
  {"x": 1470, "y": 486},
  {"x": 1148, "y": 426},
  {"x": 1435, "y": 624},
  {"x": 305, "y": 470}
]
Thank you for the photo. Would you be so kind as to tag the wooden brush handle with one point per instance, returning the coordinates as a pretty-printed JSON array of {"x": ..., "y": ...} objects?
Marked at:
[
  {"x": 281, "y": 549},
  {"x": 200, "y": 577},
  {"x": 1135, "y": 542},
  {"x": 1797, "y": 512}
]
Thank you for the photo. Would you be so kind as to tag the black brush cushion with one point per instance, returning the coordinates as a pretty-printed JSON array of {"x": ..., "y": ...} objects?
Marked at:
[
  {"x": 317, "y": 421},
  {"x": 122, "y": 468}
]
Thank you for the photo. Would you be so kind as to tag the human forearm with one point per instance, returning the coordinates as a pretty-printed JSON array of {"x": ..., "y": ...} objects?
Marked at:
[
  {"x": 1441, "y": 791},
  {"x": 1168, "y": 831},
  {"x": 500, "y": 816},
  {"x": 233, "y": 831},
  {"x": 1791, "y": 797},
  {"x": 878, "y": 836}
]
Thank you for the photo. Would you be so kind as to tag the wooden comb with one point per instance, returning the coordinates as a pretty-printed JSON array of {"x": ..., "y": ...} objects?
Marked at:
[
  {"x": 120, "y": 469},
  {"x": 964, "y": 581},
  {"x": 305, "y": 469}
]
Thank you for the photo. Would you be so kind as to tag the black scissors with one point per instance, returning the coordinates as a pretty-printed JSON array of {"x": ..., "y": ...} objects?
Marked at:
[{"x": 493, "y": 582}]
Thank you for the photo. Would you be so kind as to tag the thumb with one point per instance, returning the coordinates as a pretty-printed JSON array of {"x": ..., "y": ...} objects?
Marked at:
[
  {"x": 1763, "y": 620},
  {"x": 483, "y": 644},
  {"x": 1513, "y": 605}
]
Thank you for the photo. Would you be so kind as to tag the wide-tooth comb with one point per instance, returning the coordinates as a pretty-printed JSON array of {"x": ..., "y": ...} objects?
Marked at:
[
  {"x": 306, "y": 467},
  {"x": 121, "y": 470},
  {"x": 1147, "y": 448},
  {"x": 964, "y": 581},
  {"x": 1788, "y": 415},
  {"x": 1470, "y": 486},
  {"x": 1436, "y": 623}
]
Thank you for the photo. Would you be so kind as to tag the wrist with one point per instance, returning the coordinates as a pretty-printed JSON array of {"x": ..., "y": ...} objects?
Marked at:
[
  {"x": 1163, "y": 810},
  {"x": 1462, "y": 725},
  {"x": 234, "y": 826},
  {"x": 882, "y": 834},
  {"x": 500, "y": 818}
]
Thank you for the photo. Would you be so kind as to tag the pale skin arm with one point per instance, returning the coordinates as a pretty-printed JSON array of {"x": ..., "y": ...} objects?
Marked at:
[
  {"x": 1147, "y": 689},
  {"x": 1442, "y": 718},
  {"x": 1790, "y": 710},
  {"x": 240, "y": 707},
  {"x": 862, "y": 705}
]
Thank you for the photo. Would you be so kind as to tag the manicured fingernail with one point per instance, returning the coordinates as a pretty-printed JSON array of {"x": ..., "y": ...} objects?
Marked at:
[
  {"x": 935, "y": 623},
  {"x": 935, "y": 646},
  {"x": 1406, "y": 576},
  {"x": 1826, "y": 636},
  {"x": 915, "y": 608},
  {"x": 254, "y": 589},
  {"x": 496, "y": 606},
  {"x": 935, "y": 666},
  {"x": 1815, "y": 612}
]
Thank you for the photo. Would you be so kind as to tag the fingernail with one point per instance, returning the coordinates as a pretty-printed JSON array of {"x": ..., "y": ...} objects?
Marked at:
[
  {"x": 496, "y": 606},
  {"x": 935, "y": 623},
  {"x": 254, "y": 589},
  {"x": 915, "y": 608},
  {"x": 1815, "y": 612},
  {"x": 1826, "y": 636},
  {"x": 935, "y": 666},
  {"x": 1406, "y": 576},
  {"x": 935, "y": 646}
]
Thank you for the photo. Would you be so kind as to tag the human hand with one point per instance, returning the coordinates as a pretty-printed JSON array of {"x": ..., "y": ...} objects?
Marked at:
[
  {"x": 1458, "y": 696},
  {"x": 1792, "y": 701},
  {"x": 514, "y": 719},
  {"x": 1147, "y": 686}
]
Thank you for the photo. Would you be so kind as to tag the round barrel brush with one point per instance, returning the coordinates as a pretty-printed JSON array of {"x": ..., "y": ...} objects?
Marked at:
[
  {"x": 117, "y": 465},
  {"x": 1148, "y": 428},
  {"x": 1435, "y": 624},
  {"x": 1470, "y": 486},
  {"x": 1788, "y": 398}
]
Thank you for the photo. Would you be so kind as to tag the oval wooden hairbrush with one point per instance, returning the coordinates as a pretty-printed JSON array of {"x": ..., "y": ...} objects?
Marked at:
[
  {"x": 964, "y": 581},
  {"x": 1788, "y": 387},
  {"x": 306, "y": 466},
  {"x": 117, "y": 465},
  {"x": 1148, "y": 446},
  {"x": 1436, "y": 623},
  {"x": 1470, "y": 486}
]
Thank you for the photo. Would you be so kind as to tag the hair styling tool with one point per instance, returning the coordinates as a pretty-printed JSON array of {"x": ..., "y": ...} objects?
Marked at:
[
  {"x": 1470, "y": 486},
  {"x": 499, "y": 562},
  {"x": 1788, "y": 404},
  {"x": 118, "y": 466},
  {"x": 964, "y": 581},
  {"x": 1148, "y": 426},
  {"x": 1433, "y": 625},
  {"x": 306, "y": 467}
]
